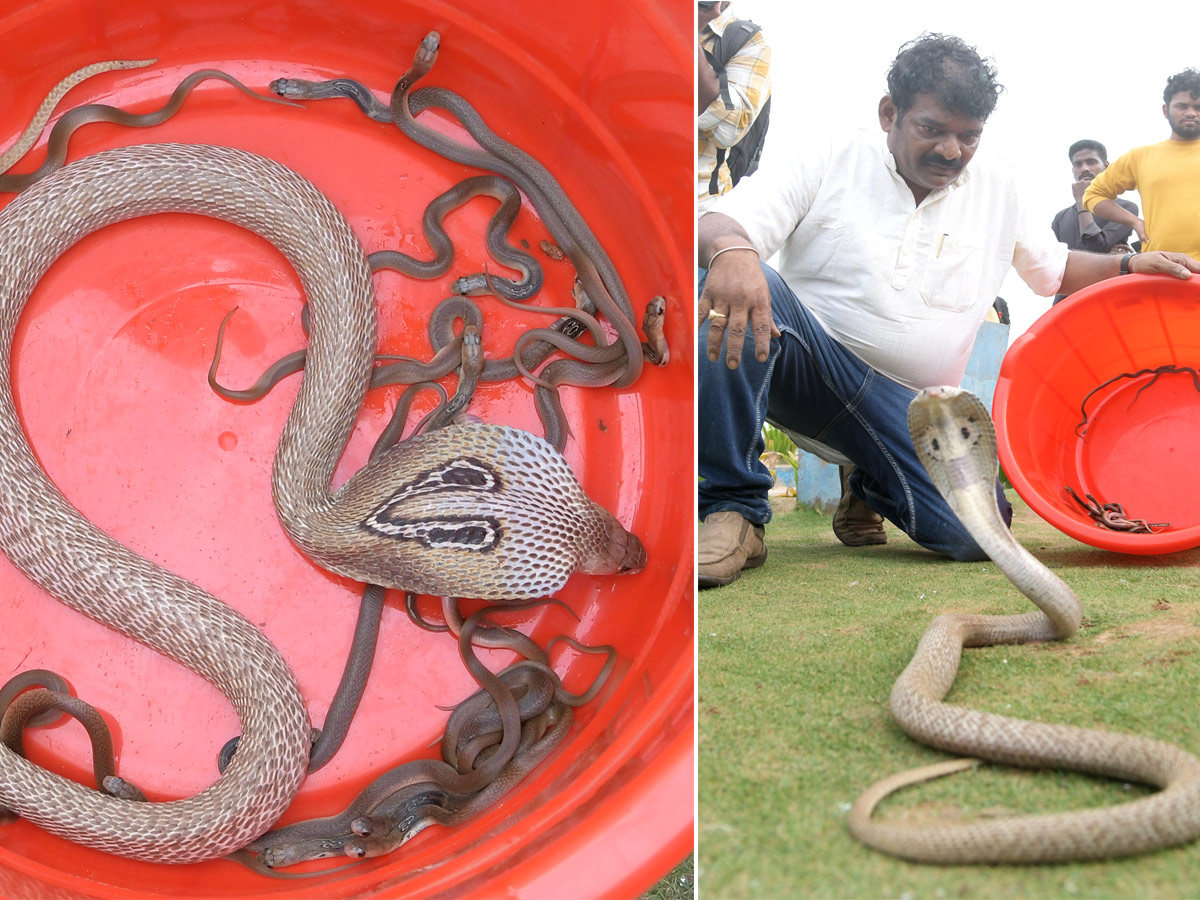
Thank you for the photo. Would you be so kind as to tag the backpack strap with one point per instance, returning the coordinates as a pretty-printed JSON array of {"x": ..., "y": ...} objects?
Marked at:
[
  {"x": 728, "y": 44},
  {"x": 735, "y": 37},
  {"x": 714, "y": 182}
]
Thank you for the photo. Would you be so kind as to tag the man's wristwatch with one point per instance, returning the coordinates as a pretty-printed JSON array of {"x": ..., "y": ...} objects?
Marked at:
[{"x": 1125, "y": 262}]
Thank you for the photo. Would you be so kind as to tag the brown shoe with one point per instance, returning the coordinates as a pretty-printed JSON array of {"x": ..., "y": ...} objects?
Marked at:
[
  {"x": 855, "y": 523},
  {"x": 727, "y": 544}
]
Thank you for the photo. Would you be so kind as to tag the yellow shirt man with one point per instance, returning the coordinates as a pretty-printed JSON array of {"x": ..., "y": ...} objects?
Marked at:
[{"x": 1167, "y": 175}]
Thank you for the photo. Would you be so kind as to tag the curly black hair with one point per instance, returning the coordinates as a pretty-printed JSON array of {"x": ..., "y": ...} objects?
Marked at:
[
  {"x": 1087, "y": 144},
  {"x": 1187, "y": 81},
  {"x": 948, "y": 68}
]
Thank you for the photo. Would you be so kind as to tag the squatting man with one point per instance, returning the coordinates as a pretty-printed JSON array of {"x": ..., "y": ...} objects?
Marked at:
[{"x": 892, "y": 246}]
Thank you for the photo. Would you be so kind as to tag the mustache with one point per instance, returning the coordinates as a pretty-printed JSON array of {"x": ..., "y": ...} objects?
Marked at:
[{"x": 934, "y": 159}]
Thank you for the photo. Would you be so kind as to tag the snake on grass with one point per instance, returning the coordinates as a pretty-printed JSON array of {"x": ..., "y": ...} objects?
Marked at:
[{"x": 956, "y": 442}]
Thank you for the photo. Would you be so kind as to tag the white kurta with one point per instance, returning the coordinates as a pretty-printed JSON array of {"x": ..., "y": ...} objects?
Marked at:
[{"x": 903, "y": 286}]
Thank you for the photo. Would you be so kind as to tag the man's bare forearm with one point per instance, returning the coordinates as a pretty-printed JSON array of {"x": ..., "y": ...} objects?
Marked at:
[
  {"x": 1087, "y": 268},
  {"x": 716, "y": 231},
  {"x": 1115, "y": 212}
]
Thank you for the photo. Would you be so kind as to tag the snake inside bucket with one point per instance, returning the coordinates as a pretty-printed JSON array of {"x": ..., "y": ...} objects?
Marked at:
[
  {"x": 475, "y": 510},
  {"x": 955, "y": 441}
]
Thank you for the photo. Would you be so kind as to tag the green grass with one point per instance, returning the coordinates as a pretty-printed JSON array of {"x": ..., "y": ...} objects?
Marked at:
[
  {"x": 679, "y": 884},
  {"x": 796, "y": 662}
]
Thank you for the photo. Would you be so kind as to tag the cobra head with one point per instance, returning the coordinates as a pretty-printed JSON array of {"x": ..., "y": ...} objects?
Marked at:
[{"x": 955, "y": 440}]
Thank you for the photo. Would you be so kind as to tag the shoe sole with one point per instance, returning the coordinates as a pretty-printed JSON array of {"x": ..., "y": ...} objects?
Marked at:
[
  {"x": 711, "y": 581},
  {"x": 864, "y": 541}
]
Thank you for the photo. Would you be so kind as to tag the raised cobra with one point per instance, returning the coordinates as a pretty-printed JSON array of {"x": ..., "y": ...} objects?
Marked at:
[
  {"x": 956, "y": 443},
  {"x": 472, "y": 510}
]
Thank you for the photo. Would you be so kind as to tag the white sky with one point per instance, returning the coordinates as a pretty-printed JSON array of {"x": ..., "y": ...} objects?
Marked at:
[{"x": 1070, "y": 71}]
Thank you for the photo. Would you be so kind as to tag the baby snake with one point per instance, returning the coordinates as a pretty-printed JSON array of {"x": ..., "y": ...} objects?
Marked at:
[
  {"x": 956, "y": 442},
  {"x": 74, "y": 119},
  {"x": 618, "y": 363},
  {"x": 487, "y": 749},
  {"x": 443, "y": 249},
  {"x": 30, "y": 135},
  {"x": 33, "y": 706},
  {"x": 595, "y": 270}
]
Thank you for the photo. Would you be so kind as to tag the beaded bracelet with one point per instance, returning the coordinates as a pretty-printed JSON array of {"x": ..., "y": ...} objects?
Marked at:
[{"x": 724, "y": 249}]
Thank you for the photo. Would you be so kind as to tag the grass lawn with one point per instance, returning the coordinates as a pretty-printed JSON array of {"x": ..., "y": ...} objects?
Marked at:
[
  {"x": 796, "y": 662},
  {"x": 679, "y": 884}
]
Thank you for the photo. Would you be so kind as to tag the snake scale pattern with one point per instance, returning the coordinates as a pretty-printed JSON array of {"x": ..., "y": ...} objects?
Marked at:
[
  {"x": 456, "y": 472},
  {"x": 956, "y": 442}
]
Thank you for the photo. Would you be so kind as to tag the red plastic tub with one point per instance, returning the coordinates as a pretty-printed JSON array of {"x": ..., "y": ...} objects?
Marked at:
[
  {"x": 1135, "y": 442},
  {"x": 111, "y": 356}
]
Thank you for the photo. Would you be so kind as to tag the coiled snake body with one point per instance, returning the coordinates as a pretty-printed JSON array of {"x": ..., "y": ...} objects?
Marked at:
[
  {"x": 955, "y": 441},
  {"x": 476, "y": 511}
]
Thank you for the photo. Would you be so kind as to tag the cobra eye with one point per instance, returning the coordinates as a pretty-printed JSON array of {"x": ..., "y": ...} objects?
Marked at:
[
  {"x": 966, "y": 433},
  {"x": 934, "y": 444}
]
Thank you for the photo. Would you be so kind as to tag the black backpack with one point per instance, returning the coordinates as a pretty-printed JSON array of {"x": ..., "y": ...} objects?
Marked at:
[{"x": 744, "y": 155}]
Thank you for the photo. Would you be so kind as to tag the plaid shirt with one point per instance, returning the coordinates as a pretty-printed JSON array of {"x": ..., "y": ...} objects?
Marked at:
[{"x": 749, "y": 76}]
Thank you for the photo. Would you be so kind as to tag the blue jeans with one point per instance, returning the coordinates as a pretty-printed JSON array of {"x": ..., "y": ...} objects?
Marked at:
[{"x": 812, "y": 385}]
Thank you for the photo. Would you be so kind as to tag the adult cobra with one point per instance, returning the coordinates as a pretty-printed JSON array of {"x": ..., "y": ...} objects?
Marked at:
[
  {"x": 956, "y": 442},
  {"x": 469, "y": 510}
]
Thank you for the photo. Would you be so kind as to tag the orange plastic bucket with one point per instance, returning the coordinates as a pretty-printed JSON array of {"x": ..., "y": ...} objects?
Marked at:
[
  {"x": 1133, "y": 441},
  {"x": 111, "y": 356}
]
